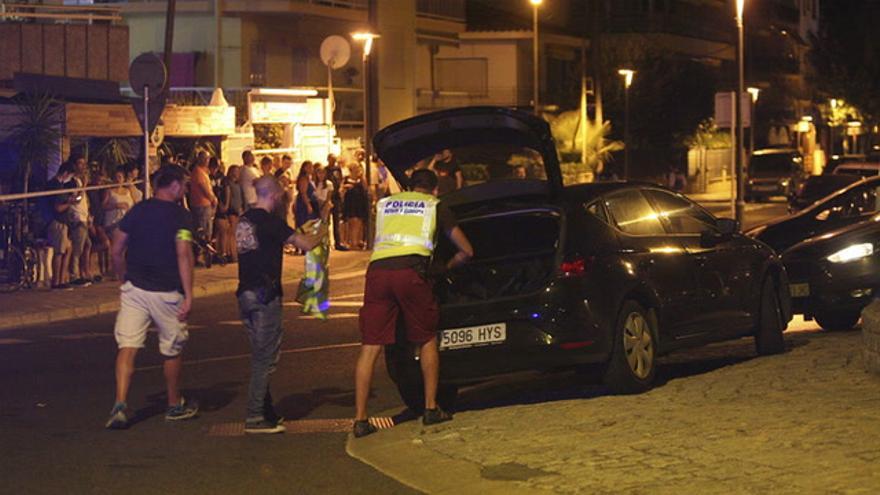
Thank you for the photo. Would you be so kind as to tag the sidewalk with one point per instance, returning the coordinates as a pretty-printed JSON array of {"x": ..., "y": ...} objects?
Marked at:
[
  {"x": 725, "y": 421},
  {"x": 40, "y": 306}
]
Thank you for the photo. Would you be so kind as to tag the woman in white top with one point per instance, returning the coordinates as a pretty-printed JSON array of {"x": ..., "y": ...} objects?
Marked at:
[
  {"x": 132, "y": 175},
  {"x": 117, "y": 202},
  {"x": 323, "y": 186}
]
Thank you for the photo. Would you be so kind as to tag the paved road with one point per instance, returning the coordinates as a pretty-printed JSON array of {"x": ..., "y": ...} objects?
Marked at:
[{"x": 56, "y": 387}]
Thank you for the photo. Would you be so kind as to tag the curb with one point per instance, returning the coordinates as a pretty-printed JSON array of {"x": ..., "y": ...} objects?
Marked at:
[
  {"x": 99, "y": 308},
  {"x": 351, "y": 269},
  {"x": 399, "y": 454}
]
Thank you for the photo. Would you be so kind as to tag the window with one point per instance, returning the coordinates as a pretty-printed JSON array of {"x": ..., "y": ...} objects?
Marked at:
[
  {"x": 468, "y": 75},
  {"x": 682, "y": 216},
  {"x": 857, "y": 202},
  {"x": 633, "y": 214},
  {"x": 597, "y": 210},
  {"x": 300, "y": 66}
]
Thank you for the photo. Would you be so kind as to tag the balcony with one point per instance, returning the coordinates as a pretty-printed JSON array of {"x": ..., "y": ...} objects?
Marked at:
[
  {"x": 447, "y": 10},
  {"x": 82, "y": 42}
]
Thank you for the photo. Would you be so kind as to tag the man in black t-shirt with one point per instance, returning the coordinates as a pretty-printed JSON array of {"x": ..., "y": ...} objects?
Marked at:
[
  {"x": 260, "y": 237},
  {"x": 57, "y": 232},
  {"x": 152, "y": 253}
]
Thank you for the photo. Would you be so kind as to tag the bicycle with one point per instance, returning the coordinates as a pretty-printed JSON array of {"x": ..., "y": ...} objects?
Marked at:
[{"x": 19, "y": 260}]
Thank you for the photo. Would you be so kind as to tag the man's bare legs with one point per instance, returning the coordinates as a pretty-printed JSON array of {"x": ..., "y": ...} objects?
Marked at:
[
  {"x": 363, "y": 377},
  {"x": 124, "y": 369},
  {"x": 171, "y": 368},
  {"x": 429, "y": 359}
]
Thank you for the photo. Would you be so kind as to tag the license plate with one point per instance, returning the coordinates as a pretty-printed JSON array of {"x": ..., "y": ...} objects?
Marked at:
[
  {"x": 459, "y": 338},
  {"x": 799, "y": 290}
]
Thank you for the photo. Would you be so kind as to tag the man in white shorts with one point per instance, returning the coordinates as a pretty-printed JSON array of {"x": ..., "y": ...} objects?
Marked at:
[{"x": 152, "y": 254}]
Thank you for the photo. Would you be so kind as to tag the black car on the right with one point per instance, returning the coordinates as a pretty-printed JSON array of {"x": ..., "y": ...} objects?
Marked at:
[{"x": 831, "y": 251}]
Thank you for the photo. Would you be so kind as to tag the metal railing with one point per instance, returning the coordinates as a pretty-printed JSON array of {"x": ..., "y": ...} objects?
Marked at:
[
  {"x": 18, "y": 12},
  {"x": 56, "y": 192}
]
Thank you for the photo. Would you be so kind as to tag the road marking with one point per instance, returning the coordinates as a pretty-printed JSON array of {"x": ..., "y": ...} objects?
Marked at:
[
  {"x": 331, "y": 316},
  {"x": 15, "y": 341},
  {"x": 220, "y": 359},
  {"x": 348, "y": 296},
  {"x": 301, "y": 426},
  {"x": 333, "y": 304}
]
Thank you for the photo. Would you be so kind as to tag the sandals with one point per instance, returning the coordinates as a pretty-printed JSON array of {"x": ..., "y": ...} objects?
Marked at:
[
  {"x": 363, "y": 428},
  {"x": 435, "y": 416}
]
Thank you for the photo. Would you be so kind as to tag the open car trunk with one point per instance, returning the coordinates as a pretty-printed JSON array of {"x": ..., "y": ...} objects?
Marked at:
[{"x": 516, "y": 253}]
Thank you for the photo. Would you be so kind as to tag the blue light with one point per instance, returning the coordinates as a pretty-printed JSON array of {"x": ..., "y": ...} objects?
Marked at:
[{"x": 535, "y": 316}]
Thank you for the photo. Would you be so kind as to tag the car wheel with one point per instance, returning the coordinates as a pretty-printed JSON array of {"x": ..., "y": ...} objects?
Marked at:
[
  {"x": 838, "y": 320},
  {"x": 406, "y": 373},
  {"x": 768, "y": 335},
  {"x": 633, "y": 361}
]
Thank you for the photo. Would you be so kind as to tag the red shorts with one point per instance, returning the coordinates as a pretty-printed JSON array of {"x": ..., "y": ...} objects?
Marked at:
[{"x": 389, "y": 293}]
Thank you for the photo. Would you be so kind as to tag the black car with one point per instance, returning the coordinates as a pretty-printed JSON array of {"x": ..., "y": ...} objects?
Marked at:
[
  {"x": 612, "y": 274},
  {"x": 817, "y": 187},
  {"x": 774, "y": 172},
  {"x": 833, "y": 276},
  {"x": 828, "y": 251},
  {"x": 852, "y": 204}
]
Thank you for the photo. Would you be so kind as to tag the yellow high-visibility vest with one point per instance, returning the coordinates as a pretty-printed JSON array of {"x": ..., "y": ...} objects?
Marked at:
[{"x": 405, "y": 225}]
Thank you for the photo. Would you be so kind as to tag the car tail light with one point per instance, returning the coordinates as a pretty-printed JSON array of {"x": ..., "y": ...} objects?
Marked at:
[{"x": 575, "y": 267}]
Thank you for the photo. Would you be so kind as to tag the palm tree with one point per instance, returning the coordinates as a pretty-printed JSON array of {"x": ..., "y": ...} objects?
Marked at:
[
  {"x": 37, "y": 134},
  {"x": 598, "y": 148}
]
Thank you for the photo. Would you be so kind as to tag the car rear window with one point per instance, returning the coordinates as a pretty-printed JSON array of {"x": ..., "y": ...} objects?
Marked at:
[{"x": 781, "y": 163}]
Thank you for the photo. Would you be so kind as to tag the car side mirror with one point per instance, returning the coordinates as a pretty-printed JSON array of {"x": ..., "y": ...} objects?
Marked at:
[{"x": 724, "y": 231}]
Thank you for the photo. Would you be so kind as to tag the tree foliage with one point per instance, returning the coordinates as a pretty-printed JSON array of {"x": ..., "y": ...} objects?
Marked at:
[{"x": 846, "y": 55}]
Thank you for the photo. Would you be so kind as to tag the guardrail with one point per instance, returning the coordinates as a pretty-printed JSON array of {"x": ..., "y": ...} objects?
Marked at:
[{"x": 55, "y": 192}]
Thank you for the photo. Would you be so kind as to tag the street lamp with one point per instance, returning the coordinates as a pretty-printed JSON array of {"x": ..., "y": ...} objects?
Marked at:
[
  {"x": 367, "y": 38},
  {"x": 627, "y": 75},
  {"x": 754, "y": 92},
  {"x": 536, "y": 75},
  {"x": 740, "y": 90},
  {"x": 834, "y": 103}
]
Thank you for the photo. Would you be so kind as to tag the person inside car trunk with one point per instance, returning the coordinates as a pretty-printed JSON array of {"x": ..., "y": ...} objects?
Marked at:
[{"x": 406, "y": 224}]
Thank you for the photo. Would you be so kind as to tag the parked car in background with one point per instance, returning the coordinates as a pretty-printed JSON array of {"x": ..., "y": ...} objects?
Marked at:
[
  {"x": 610, "y": 274},
  {"x": 774, "y": 172},
  {"x": 835, "y": 161},
  {"x": 817, "y": 187},
  {"x": 863, "y": 169}
]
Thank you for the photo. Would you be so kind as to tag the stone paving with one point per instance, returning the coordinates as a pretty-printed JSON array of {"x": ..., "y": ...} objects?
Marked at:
[{"x": 807, "y": 421}]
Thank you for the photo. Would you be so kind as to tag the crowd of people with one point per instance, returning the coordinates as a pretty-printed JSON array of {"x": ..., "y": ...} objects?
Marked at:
[{"x": 76, "y": 228}]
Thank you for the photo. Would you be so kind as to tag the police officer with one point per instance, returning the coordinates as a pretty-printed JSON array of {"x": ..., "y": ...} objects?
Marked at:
[{"x": 406, "y": 224}]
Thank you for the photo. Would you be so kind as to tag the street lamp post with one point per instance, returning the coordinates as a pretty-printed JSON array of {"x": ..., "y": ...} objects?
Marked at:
[
  {"x": 536, "y": 74},
  {"x": 367, "y": 39},
  {"x": 740, "y": 171},
  {"x": 834, "y": 102},
  {"x": 627, "y": 75}
]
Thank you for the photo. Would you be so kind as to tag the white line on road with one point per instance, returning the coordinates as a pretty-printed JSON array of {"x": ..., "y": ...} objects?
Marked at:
[
  {"x": 247, "y": 356},
  {"x": 333, "y": 304}
]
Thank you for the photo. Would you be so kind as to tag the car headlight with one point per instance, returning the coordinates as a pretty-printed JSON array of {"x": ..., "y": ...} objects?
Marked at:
[
  {"x": 852, "y": 253},
  {"x": 784, "y": 183}
]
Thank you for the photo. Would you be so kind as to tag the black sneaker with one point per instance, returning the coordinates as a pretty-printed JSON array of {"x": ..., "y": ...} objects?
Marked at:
[
  {"x": 435, "y": 416},
  {"x": 183, "y": 410},
  {"x": 363, "y": 428},
  {"x": 81, "y": 282},
  {"x": 264, "y": 426}
]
